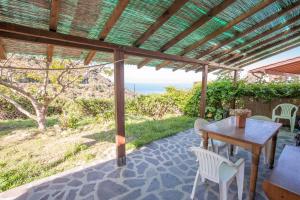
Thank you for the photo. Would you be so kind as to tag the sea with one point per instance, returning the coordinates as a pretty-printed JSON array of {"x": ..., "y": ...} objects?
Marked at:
[{"x": 155, "y": 88}]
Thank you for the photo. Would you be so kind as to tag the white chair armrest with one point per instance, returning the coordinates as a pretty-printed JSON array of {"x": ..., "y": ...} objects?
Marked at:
[
  {"x": 239, "y": 163},
  {"x": 295, "y": 113}
]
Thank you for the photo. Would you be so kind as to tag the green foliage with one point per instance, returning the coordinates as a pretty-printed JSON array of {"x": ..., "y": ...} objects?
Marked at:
[
  {"x": 221, "y": 93},
  {"x": 154, "y": 106},
  {"x": 74, "y": 111},
  {"x": 94, "y": 107},
  {"x": 7, "y": 126},
  {"x": 18, "y": 175},
  {"x": 145, "y": 132},
  {"x": 75, "y": 149},
  {"x": 179, "y": 97},
  {"x": 9, "y": 111}
]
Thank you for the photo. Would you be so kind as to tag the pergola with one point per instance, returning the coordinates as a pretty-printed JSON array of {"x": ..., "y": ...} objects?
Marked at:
[
  {"x": 291, "y": 66},
  {"x": 197, "y": 35}
]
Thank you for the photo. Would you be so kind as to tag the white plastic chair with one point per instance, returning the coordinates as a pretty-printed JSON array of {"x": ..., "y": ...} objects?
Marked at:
[
  {"x": 286, "y": 113},
  {"x": 219, "y": 170},
  {"x": 213, "y": 145},
  {"x": 266, "y": 150}
]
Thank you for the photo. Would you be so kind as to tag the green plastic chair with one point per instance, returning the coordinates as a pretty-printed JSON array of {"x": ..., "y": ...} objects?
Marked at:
[{"x": 286, "y": 113}]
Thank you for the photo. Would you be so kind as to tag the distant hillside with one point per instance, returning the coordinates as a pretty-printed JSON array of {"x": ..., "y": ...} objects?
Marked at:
[{"x": 95, "y": 85}]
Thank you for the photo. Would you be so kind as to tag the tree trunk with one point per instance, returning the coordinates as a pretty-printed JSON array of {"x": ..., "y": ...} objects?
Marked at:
[{"x": 41, "y": 117}]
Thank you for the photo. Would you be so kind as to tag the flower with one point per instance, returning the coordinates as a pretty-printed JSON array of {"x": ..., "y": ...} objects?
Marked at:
[{"x": 240, "y": 112}]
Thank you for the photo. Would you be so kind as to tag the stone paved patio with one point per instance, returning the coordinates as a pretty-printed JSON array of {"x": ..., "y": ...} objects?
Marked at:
[{"x": 165, "y": 169}]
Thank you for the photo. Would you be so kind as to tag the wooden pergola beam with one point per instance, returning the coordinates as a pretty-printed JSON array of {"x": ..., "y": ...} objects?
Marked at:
[
  {"x": 203, "y": 91},
  {"x": 251, "y": 29},
  {"x": 119, "y": 106},
  {"x": 232, "y": 23},
  {"x": 2, "y": 50},
  {"x": 18, "y": 32},
  {"x": 245, "y": 52},
  {"x": 262, "y": 49},
  {"x": 258, "y": 37},
  {"x": 177, "y": 4},
  {"x": 204, "y": 19},
  {"x": 275, "y": 52},
  {"x": 54, "y": 15},
  {"x": 235, "y": 77},
  {"x": 112, "y": 20}
]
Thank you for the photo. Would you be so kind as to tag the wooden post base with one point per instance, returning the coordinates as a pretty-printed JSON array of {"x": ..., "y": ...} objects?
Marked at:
[{"x": 121, "y": 161}]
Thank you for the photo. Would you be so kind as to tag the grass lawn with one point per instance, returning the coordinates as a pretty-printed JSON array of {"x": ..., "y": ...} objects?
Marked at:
[{"x": 27, "y": 155}]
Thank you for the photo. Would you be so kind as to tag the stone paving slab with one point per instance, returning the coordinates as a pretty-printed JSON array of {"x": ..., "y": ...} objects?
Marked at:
[{"x": 162, "y": 170}]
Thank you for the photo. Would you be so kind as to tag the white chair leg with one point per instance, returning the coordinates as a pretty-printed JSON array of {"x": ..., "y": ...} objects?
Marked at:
[
  {"x": 228, "y": 151},
  {"x": 223, "y": 190},
  {"x": 236, "y": 150},
  {"x": 195, "y": 184},
  {"x": 240, "y": 181},
  {"x": 216, "y": 149},
  {"x": 292, "y": 124}
]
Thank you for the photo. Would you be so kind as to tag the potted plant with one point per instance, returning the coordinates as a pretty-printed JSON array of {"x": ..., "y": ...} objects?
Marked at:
[{"x": 240, "y": 116}]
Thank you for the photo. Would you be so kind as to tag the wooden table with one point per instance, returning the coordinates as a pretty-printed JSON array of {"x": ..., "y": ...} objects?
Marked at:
[
  {"x": 253, "y": 138},
  {"x": 284, "y": 181}
]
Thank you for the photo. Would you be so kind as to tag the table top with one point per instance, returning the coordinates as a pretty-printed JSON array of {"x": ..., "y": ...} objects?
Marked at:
[
  {"x": 287, "y": 172},
  {"x": 255, "y": 131}
]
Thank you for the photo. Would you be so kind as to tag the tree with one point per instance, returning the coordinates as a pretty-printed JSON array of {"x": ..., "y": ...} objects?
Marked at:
[{"x": 38, "y": 81}]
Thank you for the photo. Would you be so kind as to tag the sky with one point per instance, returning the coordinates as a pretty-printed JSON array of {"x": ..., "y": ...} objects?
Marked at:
[{"x": 167, "y": 76}]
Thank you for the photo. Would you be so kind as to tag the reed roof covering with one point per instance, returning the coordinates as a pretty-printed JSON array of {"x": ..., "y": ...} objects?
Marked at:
[{"x": 88, "y": 19}]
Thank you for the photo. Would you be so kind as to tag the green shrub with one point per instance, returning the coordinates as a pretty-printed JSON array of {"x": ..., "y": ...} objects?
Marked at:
[
  {"x": 75, "y": 110},
  {"x": 9, "y": 111},
  {"x": 155, "y": 106},
  {"x": 94, "y": 107},
  {"x": 221, "y": 93}
]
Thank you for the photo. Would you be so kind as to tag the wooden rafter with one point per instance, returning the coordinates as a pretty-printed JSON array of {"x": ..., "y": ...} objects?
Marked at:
[
  {"x": 177, "y": 4},
  {"x": 251, "y": 29},
  {"x": 273, "y": 53},
  {"x": 219, "y": 31},
  {"x": 244, "y": 52},
  {"x": 264, "y": 48},
  {"x": 232, "y": 23},
  {"x": 2, "y": 50},
  {"x": 143, "y": 63},
  {"x": 258, "y": 37},
  {"x": 54, "y": 15},
  {"x": 204, "y": 19},
  {"x": 116, "y": 14},
  {"x": 257, "y": 58},
  {"x": 18, "y": 32}
]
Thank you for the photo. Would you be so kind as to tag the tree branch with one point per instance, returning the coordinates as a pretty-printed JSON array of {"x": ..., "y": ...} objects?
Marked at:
[
  {"x": 18, "y": 106},
  {"x": 19, "y": 91}
]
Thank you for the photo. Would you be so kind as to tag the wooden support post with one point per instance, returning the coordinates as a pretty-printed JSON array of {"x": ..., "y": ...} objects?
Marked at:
[
  {"x": 119, "y": 106},
  {"x": 234, "y": 85},
  {"x": 203, "y": 91},
  {"x": 2, "y": 51}
]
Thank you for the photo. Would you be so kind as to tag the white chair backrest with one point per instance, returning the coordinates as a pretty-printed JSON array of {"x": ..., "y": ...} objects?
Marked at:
[
  {"x": 286, "y": 109},
  {"x": 198, "y": 124},
  {"x": 209, "y": 163}
]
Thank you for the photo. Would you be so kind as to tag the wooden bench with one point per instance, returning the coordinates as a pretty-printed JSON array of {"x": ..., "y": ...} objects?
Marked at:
[{"x": 284, "y": 181}]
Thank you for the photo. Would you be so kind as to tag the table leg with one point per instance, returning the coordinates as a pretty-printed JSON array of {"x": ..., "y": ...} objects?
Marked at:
[
  {"x": 231, "y": 150},
  {"x": 205, "y": 140},
  {"x": 273, "y": 150},
  {"x": 254, "y": 170}
]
